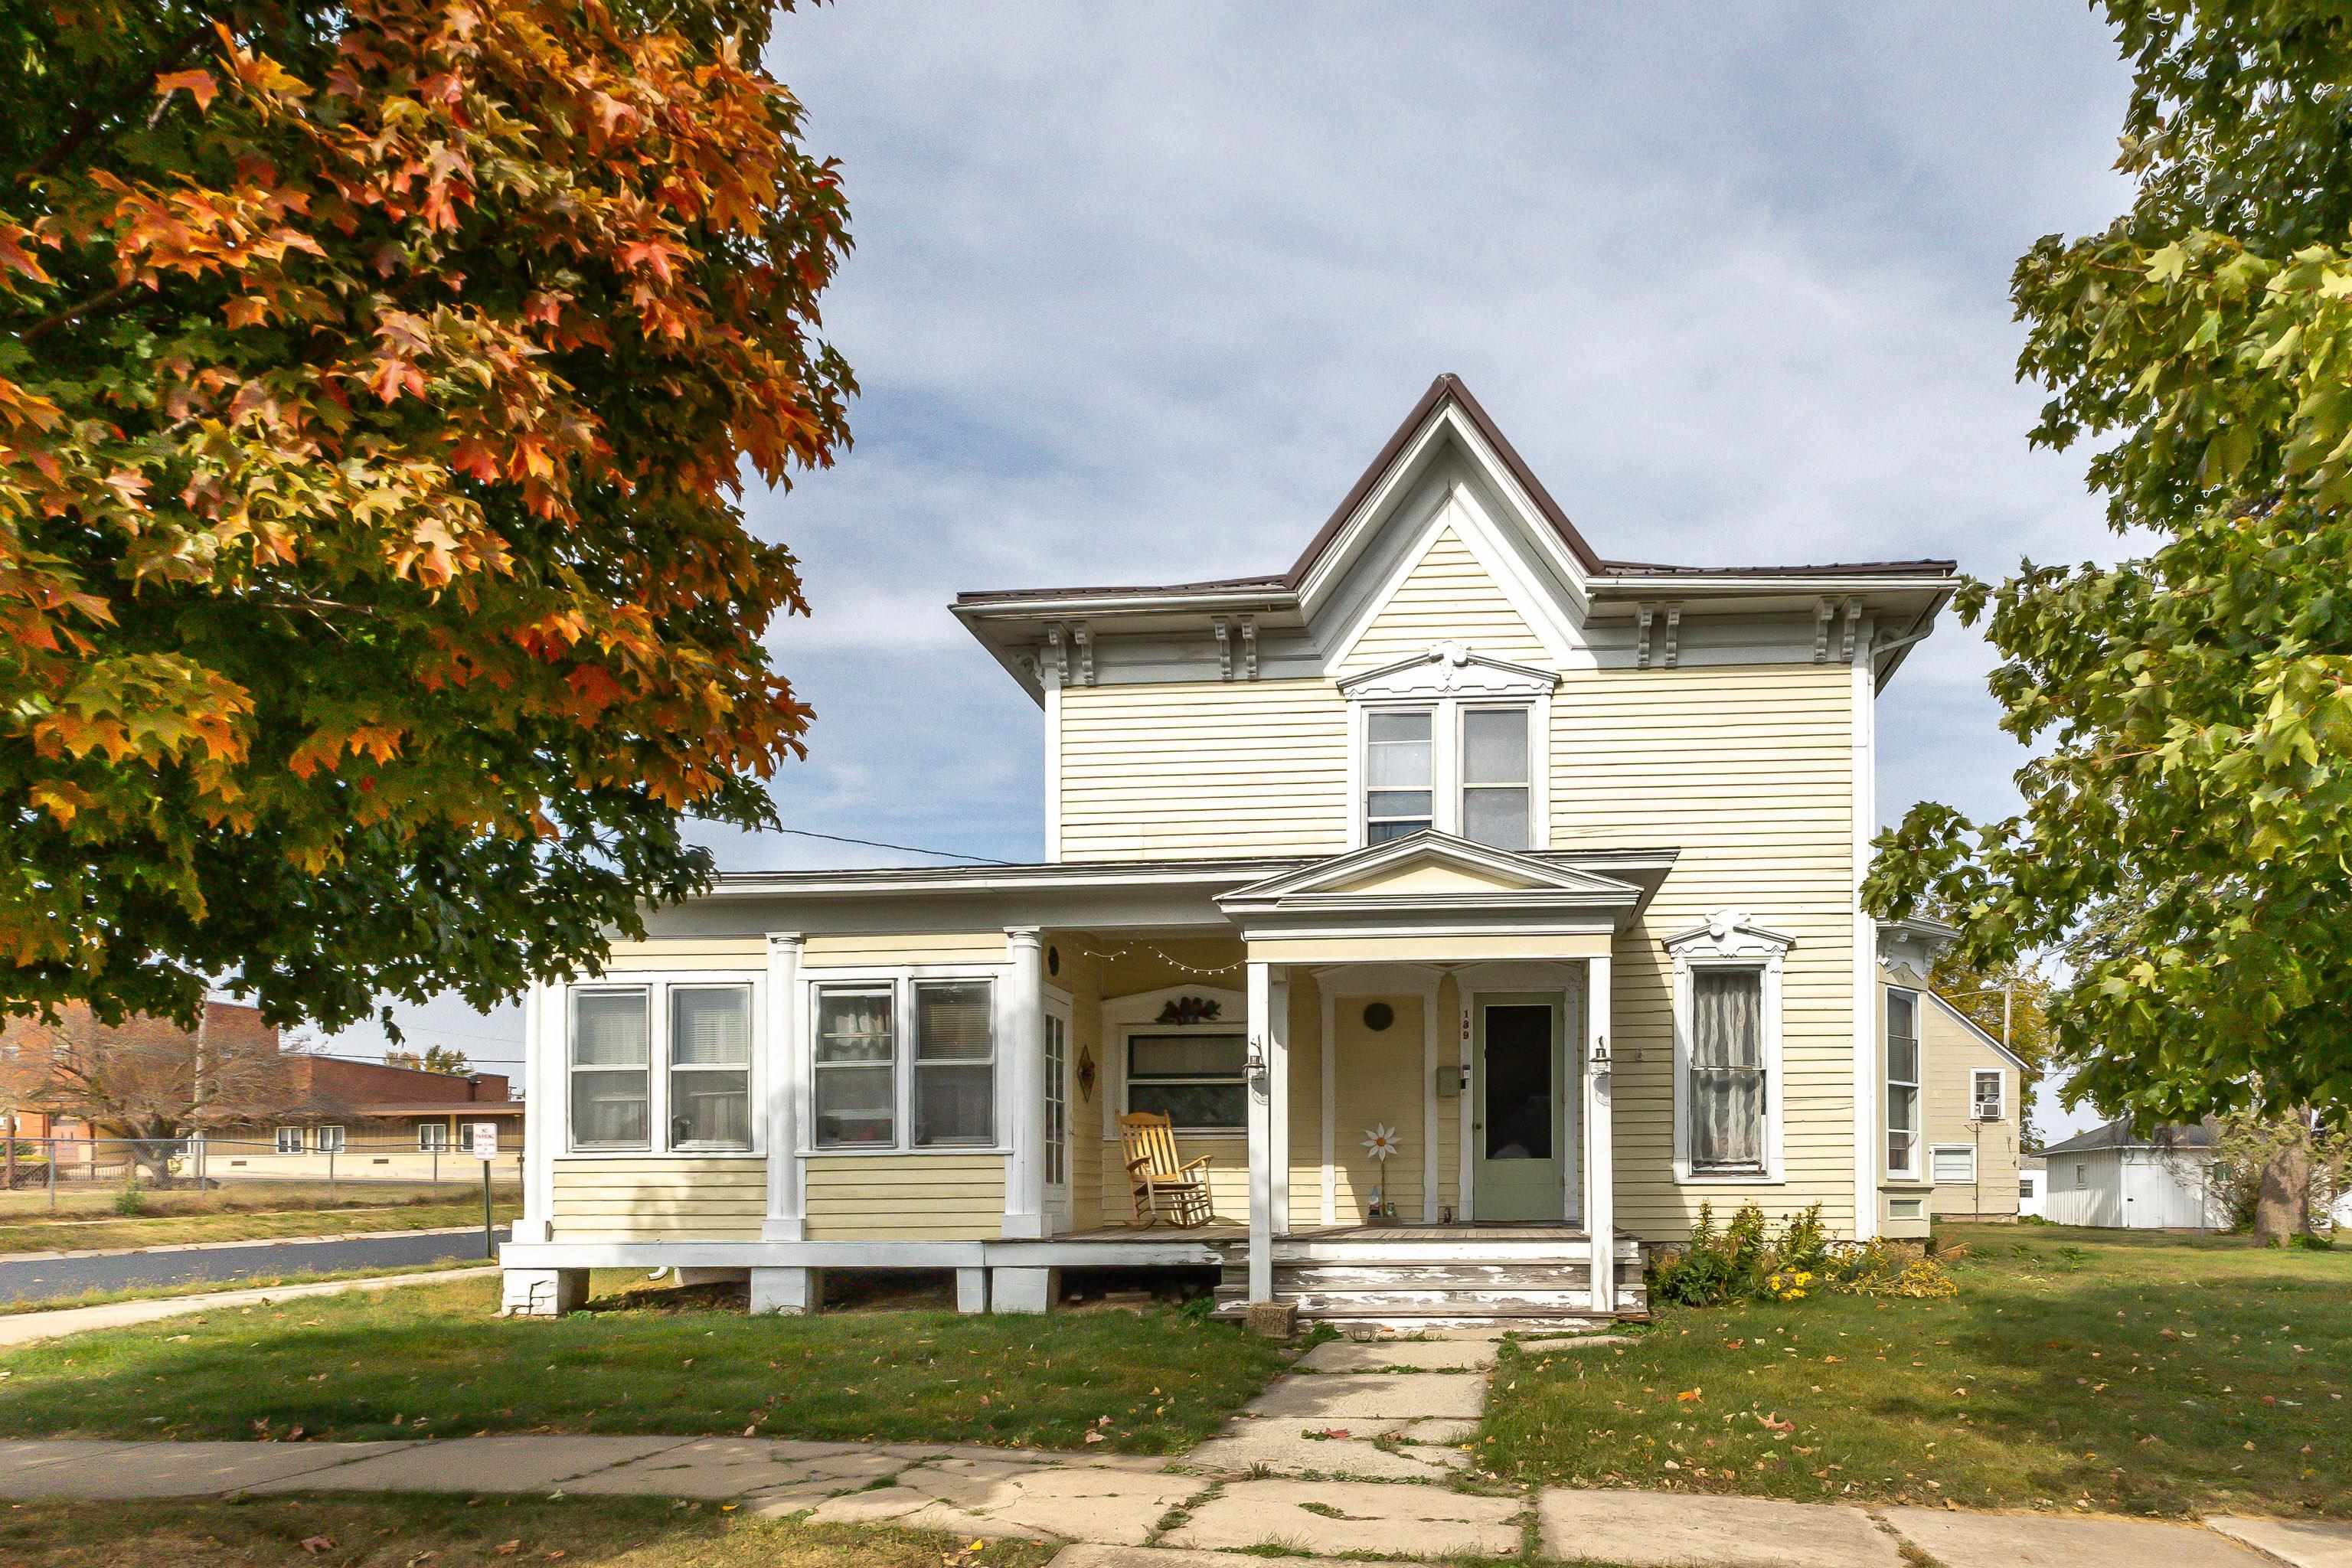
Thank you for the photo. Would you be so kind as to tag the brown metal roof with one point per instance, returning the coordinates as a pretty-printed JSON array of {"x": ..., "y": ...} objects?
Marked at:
[{"x": 1449, "y": 387}]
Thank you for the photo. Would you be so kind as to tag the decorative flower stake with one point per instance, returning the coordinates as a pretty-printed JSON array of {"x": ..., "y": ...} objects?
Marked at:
[{"x": 1379, "y": 1142}]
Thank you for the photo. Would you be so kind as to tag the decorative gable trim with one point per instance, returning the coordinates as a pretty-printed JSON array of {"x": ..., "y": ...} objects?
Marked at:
[
  {"x": 1328, "y": 883},
  {"x": 1449, "y": 669},
  {"x": 1728, "y": 933}
]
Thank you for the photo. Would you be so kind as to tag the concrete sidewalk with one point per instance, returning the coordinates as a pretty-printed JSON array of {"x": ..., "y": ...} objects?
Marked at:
[
  {"x": 26, "y": 1327},
  {"x": 1148, "y": 1512}
]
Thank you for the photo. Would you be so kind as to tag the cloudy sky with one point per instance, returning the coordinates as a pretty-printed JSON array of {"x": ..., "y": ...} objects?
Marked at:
[{"x": 1137, "y": 291}]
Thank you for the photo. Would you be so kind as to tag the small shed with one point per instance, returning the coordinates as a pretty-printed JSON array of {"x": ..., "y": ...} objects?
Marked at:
[
  {"x": 2119, "y": 1179},
  {"x": 2033, "y": 1187}
]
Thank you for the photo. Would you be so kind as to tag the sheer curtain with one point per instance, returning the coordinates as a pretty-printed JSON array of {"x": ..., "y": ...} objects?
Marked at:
[{"x": 1726, "y": 1130}]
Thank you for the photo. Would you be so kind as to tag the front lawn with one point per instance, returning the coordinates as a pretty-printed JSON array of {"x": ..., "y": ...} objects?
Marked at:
[
  {"x": 2077, "y": 1369},
  {"x": 432, "y": 1359},
  {"x": 459, "y": 1532}
]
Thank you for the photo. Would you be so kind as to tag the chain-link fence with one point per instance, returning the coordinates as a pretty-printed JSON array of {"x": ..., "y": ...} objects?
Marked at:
[{"x": 296, "y": 1165}]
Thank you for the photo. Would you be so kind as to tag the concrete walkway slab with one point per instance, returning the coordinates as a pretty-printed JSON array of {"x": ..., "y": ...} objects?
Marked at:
[
  {"x": 1120, "y": 1507},
  {"x": 1672, "y": 1530},
  {"x": 1288, "y": 1448},
  {"x": 740, "y": 1466},
  {"x": 1422, "y": 1356},
  {"x": 1329, "y": 1518},
  {"x": 2052, "y": 1541},
  {"x": 1440, "y": 1431},
  {"x": 1089, "y": 1556},
  {"x": 186, "y": 1470},
  {"x": 2305, "y": 1543},
  {"x": 24, "y": 1455},
  {"x": 1336, "y": 1399},
  {"x": 516, "y": 1464}
]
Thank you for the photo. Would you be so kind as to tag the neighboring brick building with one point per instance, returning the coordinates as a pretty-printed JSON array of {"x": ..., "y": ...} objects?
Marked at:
[{"x": 27, "y": 1046}]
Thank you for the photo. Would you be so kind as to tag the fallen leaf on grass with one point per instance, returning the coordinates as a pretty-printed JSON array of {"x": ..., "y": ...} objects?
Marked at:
[
  {"x": 507, "y": 1548},
  {"x": 1687, "y": 1396},
  {"x": 314, "y": 1544}
]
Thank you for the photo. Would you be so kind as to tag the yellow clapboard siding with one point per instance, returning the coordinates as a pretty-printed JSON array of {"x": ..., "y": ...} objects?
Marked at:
[
  {"x": 621, "y": 1199},
  {"x": 749, "y": 953},
  {"x": 1447, "y": 596},
  {"x": 904, "y": 1197}
]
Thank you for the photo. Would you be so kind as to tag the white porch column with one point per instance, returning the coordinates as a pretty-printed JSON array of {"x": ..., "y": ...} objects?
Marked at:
[
  {"x": 1278, "y": 1064},
  {"x": 1428, "y": 1106},
  {"x": 543, "y": 1107},
  {"x": 1261, "y": 1135},
  {"x": 1600, "y": 1158},
  {"x": 1021, "y": 1084},
  {"x": 782, "y": 1070}
]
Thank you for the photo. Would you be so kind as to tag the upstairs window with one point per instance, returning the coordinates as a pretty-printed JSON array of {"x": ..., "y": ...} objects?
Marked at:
[
  {"x": 1495, "y": 776},
  {"x": 1902, "y": 1082},
  {"x": 1399, "y": 772},
  {"x": 1986, "y": 1100}
]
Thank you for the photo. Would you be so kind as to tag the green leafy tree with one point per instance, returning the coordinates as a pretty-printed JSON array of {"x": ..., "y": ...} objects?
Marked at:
[
  {"x": 2192, "y": 706},
  {"x": 377, "y": 380}
]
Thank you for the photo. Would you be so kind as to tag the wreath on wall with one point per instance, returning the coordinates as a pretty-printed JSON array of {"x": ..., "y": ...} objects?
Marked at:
[{"x": 1190, "y": 1010}]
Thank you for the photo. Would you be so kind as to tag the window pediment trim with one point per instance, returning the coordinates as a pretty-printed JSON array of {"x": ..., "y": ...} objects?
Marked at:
[
  {"x": 1448, "y": 669},
  {"x": 1727, "y": 934}
]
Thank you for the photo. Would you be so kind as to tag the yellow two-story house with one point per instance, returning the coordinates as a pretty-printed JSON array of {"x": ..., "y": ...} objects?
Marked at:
[{"x": 1476, "y": 905}]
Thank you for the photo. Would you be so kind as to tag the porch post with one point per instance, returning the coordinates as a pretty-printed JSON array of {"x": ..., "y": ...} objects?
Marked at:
[
  {"x": 780, "y": 1079},
  {"x": 1261, "y": 1135},
  {"x": 1600, "y": 1158},
  {"x": 1278, "y": 1081},
  {"x": 1021, "y": 1086}
]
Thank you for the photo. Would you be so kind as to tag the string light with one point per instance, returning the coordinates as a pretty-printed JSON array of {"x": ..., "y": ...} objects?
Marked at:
[{"x": 1164, "y": 956}]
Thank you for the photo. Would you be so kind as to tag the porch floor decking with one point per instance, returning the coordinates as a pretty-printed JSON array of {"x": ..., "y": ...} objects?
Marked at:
[{"x": 1229, "y": 1230}]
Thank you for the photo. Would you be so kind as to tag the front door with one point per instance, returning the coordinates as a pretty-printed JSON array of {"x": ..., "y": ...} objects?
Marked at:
[{"x": 1519, "y": 1128}]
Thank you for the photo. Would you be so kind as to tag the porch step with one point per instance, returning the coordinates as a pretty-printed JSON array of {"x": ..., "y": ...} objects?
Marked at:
[{"x": 1419, "y": 1282}]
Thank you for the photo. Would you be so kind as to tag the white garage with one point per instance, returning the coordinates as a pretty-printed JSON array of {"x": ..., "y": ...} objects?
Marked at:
[{"x": 2116, "y": 1178}]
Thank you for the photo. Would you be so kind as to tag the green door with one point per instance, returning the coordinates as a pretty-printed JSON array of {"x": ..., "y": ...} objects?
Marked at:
[{"x": 1518, "y": 1123}]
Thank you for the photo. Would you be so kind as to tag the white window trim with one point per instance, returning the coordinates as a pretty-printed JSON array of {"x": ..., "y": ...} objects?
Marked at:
[
  {"x": 439, "y": 1142},
  {"x": 337, "y": 1143},
  {"x": 301, "y": 1140},
  {"x": 1729, "y": 941},
  {"x": 656, "y": 985},
  {"x": 1999, "y": 1092},
  {"x": 1126, "y": 1016},
  {"x": 901, "y": 979},
  {"x": 1917, "y": 1171},
  {"x": 1444, "y": 683},
  {"x": 1938, "y": 1151}
]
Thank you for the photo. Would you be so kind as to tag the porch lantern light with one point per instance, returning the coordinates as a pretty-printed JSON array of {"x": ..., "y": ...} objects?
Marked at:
[{"x": 1253, "y": 1068}]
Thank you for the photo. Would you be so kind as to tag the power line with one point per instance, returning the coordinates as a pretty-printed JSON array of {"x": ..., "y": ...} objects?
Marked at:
[{"x": 902, "y": 848}]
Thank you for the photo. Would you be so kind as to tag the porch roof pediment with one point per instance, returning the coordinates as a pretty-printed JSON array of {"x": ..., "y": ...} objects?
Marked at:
[{"x": 1436, "y": 874}]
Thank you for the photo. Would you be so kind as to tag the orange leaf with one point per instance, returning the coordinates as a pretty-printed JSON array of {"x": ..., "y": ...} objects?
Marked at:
[{"x": 199, "y": 83}]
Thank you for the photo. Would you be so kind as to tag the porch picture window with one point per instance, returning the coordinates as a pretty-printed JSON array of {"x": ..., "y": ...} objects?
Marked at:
[
  {"x": 1195, "y": 1080},
  {"x": 711, "y": 1067},
  {"x": 955, "y": 1063},
  {"x": 1400, "y": 796},
  {"x": 1495, "y": 776},
  {"x": 610, "y": 1068},
  {"x": 432, "y": 1138},
  {"x": 1902, "y": 1082},
  {"x": 855, "y": 1068},
  {"x": 1728, "y": 1090}
]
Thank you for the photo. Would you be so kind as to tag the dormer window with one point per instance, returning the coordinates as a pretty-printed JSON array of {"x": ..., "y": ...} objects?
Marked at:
[
  {"x": 1452, "y": 742},
  {"x": 1401, "y": 770}
]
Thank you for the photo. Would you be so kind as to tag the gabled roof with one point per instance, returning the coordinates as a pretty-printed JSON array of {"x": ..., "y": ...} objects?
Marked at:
[
  {"x": 1488, "y": 875},
  {"x": 1983, "y": 1037},
  {"x": 2119, "y": 1135},
  {"x": 1448, "y": 391}
]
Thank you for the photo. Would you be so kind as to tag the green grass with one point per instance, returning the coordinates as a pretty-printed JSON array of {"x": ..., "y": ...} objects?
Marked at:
[
  {"x": 25, "y": 1308},
  {"x": 432, "y": 1359},
  {"x": 2077, "y": 1368},
  {"x": 459, "y": 1532},
  {"x": 179, "y": 1219}
]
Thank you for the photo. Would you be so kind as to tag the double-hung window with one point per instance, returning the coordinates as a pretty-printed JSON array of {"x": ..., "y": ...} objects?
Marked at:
[
  {"x": 1399, "y": 774},
  {"x": 1902, "y": 1082},
  {"x": 610, "y": 1070},
  {"x": 955, "y": 1063},
  {"x": 1496, "y": 785},
  {"x": 1197, "y": 1080},
  {"x": 856, "y": 1068},
  {"x": 905, "y": 1064},
  {"x": 431, "y": 1137},
  {"x": 711, "y": 1067},
  {"x": 1728, "y": 1089},
  {"x": 1986, "y": 1100}
]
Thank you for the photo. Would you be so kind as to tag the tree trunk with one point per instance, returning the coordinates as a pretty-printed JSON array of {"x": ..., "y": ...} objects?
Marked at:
[{"x": 2283, "y": 1208}]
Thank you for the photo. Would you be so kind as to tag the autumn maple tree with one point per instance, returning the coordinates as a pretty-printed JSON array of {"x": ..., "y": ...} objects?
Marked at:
[{"x": 377, "y": 379}]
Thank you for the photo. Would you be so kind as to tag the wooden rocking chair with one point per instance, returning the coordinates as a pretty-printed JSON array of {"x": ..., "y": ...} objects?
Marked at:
[{"x": 1162, "y": 1183}]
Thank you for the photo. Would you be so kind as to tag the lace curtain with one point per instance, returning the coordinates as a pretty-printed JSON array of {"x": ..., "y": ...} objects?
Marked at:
[{"x": 1727, "y": 1076}]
